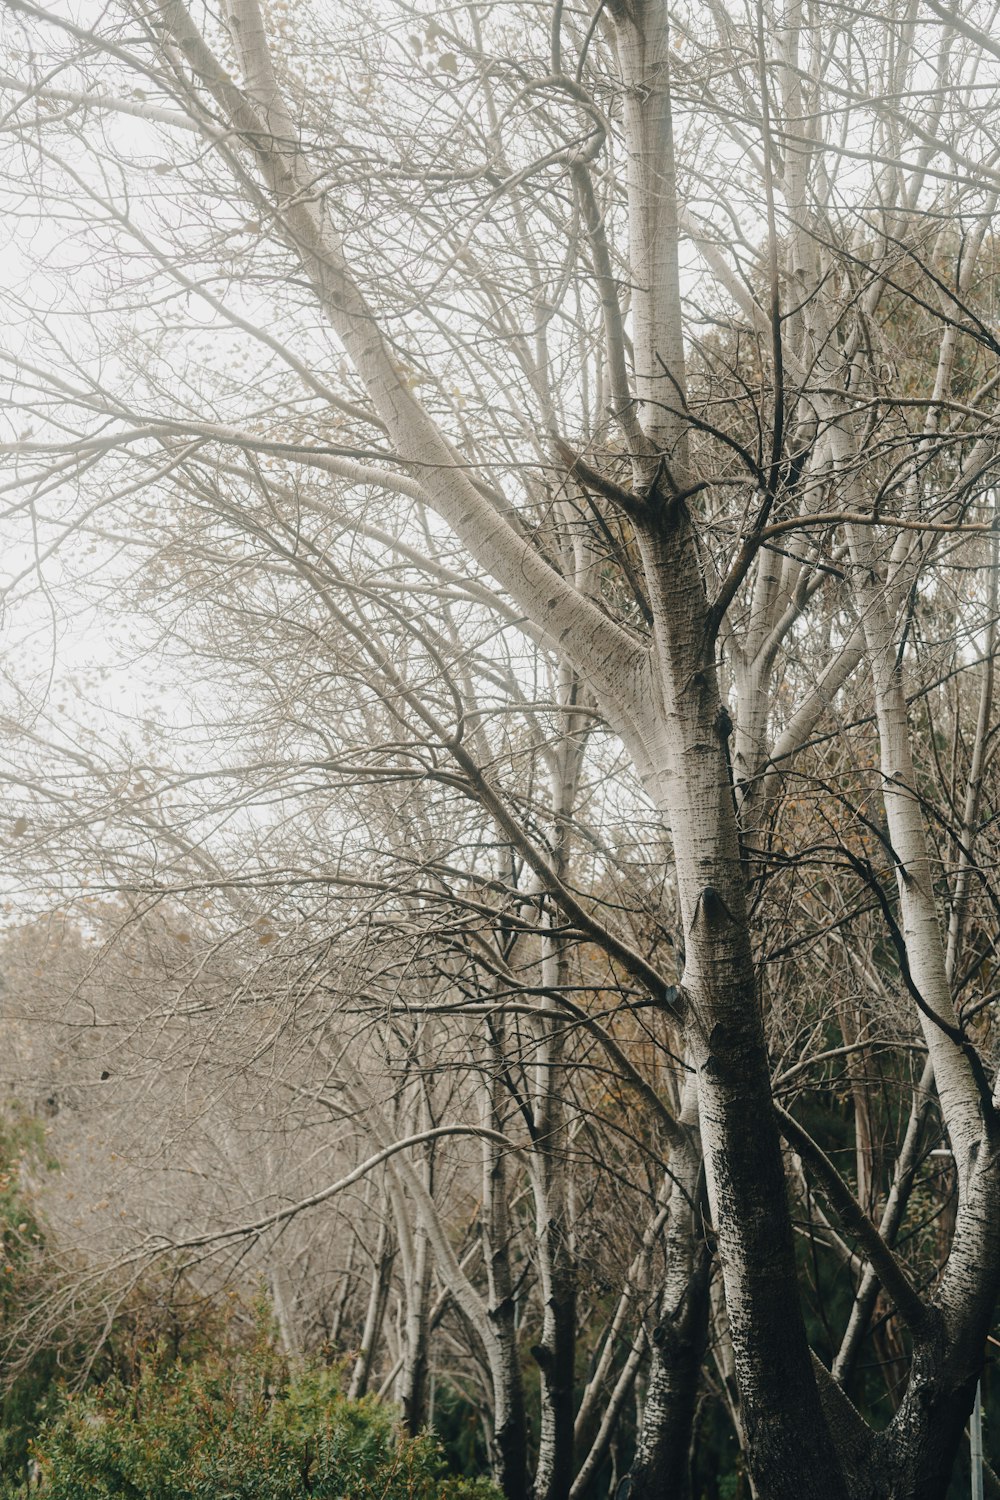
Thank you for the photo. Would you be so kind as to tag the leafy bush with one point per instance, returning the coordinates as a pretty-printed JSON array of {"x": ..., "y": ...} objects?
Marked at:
[
  {"x": 22, "y": 1277},
  {"x": 240, "y": 1428}
]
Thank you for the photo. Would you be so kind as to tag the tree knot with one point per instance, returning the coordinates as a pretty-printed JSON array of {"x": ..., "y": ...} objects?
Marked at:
[{"x": 712, "y": 907}]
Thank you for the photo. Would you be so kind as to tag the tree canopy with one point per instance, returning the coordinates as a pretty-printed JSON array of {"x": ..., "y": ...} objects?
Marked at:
[{"x": 501, "y": 574}]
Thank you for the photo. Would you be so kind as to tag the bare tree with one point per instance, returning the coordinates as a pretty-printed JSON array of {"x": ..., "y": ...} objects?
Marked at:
[{"x": 669, "y": 340}]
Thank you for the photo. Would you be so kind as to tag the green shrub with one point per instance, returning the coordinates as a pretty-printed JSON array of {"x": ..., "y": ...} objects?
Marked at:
[
  {"x": 237, "y": 1429},
  {"x": 23, "y": 1274}
]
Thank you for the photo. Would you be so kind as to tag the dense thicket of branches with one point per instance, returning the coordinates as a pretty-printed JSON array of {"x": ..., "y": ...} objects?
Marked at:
[{"x": 502, "y": 574}]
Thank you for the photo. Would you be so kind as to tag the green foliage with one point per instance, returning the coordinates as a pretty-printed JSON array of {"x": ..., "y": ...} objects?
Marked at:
[
  {"x": 240, "y": 1427},
  {"x": 459, "y": 1429},
  {"x": 22, "y": 1243},
  {"x": 21, "y": 1137}
]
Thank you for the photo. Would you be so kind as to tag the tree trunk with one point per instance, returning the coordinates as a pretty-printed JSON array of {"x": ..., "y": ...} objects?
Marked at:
[
  {"x": 661, "y": 1465},
  {"x": 378, "y": 1297},
  {"x": 412, "y": 1388},
  {"x": 725, "y": 1034},
  {"x": 509, "y": 1455}
]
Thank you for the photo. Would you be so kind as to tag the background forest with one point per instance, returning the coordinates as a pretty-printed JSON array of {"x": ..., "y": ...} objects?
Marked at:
[{"x": 498, "y": 747}]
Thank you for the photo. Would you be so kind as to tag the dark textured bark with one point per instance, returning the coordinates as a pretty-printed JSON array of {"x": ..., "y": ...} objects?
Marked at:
[
  {"x": 915, "y": 1458},
  {"x": 509, "y": 1457},
  {"x": 509, "y": 1444},
  {"x": 725, "y": 1037},
  {"x": 919, "y": 1447},
  {"x": 555, "y": 1357},
  {"x": 661, "y": 1466},
  {"x": 555, "y": 1352}
]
